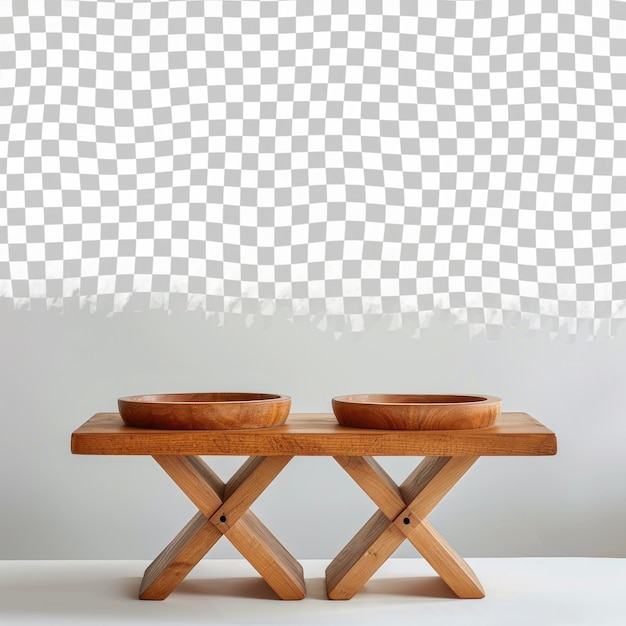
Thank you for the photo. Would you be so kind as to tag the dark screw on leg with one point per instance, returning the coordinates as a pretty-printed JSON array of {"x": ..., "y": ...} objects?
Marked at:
[
  {"x": 406, "y": 520},
  {"x": 222, "y": 518}
]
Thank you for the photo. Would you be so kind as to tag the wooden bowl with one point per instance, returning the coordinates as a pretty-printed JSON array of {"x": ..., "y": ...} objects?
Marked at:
[
  {"x": 205, "y": 411},
  {"x": 416, "y": 412}
]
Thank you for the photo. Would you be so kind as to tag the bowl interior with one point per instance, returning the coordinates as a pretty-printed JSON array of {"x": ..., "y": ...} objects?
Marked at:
[
  {"x": 397, "y": 398},
  {"x": 204, "y": 398}
]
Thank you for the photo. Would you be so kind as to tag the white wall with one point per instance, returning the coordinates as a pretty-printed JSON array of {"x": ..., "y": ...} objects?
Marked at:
[{"x": 59, "y": 369}]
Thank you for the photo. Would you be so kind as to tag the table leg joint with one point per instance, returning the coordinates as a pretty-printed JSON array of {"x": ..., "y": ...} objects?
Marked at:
[
  {"x": 223, "y": 510},
  {"x": 402, "y": 515},
  {"x": 406, "y": 521}
]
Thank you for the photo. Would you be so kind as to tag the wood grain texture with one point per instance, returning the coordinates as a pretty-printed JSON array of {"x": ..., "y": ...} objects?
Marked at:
[
  {"x": 183, "y": 553},
  {"x": 431, "y": 481},
  {"x": 223, "y": 510},
  {"x": 454, "y": 571},
  {"x": 375, "y": 481},
  {"x": 268, "y": 556},
  {"x": 196, "y": 479},
  {"x": 401, "y": 515},
  {"x": 361, "y": 557},
  {"x": 514, "y": 434},
  {"x": 416, "y": 412},
  {"x": 205, "y": 411},
  {"x": 245, "y": 487}
]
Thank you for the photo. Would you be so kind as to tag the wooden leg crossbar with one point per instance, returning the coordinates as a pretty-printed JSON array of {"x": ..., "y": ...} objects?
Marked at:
[
  {"x": 223, "y": 509},
  {"x": 401, "y": 515}
]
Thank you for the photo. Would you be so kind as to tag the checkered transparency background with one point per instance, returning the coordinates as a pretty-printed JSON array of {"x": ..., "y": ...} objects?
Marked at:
[{"x": 348, "y": 161}]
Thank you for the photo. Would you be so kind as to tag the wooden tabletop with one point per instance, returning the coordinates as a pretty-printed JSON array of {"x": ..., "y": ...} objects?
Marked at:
[{"x": 316, "y": 434}]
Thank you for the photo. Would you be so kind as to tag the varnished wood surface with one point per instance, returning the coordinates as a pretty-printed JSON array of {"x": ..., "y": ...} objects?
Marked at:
[
  {"x": 223, "y": 510},
  {"x": 401, "y": 515},
  {"x": 183, "y": 553},
  {"x": 416, "y": 411},
  {"x": 316, "y": 434},
  {"x": 204, "y": 411}
]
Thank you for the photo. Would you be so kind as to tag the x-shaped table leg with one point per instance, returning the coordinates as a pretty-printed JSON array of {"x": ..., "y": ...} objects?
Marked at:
[
  {"x": 223, "y": 510},
  {"x": 401, "y": 515}
]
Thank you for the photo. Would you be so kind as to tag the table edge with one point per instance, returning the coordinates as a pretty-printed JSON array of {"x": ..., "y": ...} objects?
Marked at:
[{"x": 538, "y": 440}]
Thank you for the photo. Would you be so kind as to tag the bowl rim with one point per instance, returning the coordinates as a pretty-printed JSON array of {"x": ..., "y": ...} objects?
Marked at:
[
  {"x": 257, "y": 398},
  {"x": 464, "y": 399}
]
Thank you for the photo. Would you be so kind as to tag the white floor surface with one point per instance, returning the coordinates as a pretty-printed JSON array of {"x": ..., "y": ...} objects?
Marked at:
[{"x": 533, "y": 592}]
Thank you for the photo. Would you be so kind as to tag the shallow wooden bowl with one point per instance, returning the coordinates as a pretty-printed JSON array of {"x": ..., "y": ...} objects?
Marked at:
[
  {"x": 416, "y": 412},
  {"x": 205, "y": 411}
]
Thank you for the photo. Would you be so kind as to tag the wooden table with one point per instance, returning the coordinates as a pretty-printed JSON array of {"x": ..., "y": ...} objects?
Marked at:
[{"x": 223, "y": 508}]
